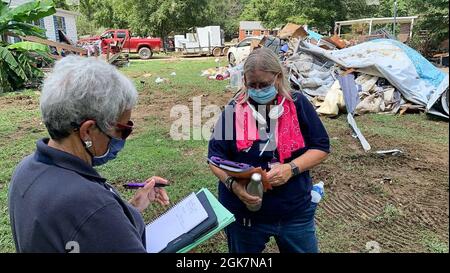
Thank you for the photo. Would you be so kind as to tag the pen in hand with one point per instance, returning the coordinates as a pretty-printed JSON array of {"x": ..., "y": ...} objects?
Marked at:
[{"x": 141, "y": 185}]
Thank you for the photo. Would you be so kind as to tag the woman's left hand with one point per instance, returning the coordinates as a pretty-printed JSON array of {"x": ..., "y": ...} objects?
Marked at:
[
  {"x": 279, "y": 174},
  {"x": 149, "y": 193}
]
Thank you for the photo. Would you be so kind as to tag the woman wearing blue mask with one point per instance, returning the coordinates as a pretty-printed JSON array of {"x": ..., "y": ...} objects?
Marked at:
[
  {"x": 268, "y": 126},
  {"x": 57, "y": 200}
]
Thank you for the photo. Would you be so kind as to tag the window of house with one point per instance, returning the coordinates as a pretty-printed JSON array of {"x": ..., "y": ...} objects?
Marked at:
[
  {"x": 60, "y": 24},
  {"x": 38, "y": 23},
  {"x": 248, "y": 33}
]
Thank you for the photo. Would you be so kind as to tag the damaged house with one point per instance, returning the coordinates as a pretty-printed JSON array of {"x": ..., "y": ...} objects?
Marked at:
[{"x": 58, "y": 27}]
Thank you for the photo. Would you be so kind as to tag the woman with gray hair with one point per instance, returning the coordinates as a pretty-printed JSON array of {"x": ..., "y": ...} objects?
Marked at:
[{"x": 57, "y": 200}]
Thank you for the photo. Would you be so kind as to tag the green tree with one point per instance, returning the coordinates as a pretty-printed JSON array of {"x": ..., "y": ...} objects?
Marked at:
[
  {"x": 96, "y": 14},
  {"x": 16, "y": 65},
  {"x": 317, "y": 13},
  {"x": 433, "y": 18},
  {"x": 160, "y": 17},
  {"x": 226, "y": 14},
  {"x": 62, "y": 4}
]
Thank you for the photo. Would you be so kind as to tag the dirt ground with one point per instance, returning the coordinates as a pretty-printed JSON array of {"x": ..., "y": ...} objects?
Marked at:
[
  {"x": 400, "y": 202},
  {"x": 394, "y": 200}
]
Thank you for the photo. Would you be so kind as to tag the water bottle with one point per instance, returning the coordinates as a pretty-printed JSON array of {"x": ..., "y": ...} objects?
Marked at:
[
  {"x": 236, "y": 77},
  {"x": 255, "y": 188},
  {"x": 317, "y": 192}
]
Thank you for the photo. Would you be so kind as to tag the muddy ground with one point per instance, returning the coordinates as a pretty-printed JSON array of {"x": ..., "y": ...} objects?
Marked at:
[{"x": 401, "y": 202}]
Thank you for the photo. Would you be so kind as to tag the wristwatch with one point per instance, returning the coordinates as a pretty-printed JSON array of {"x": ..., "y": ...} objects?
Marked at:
[
  {"x": 294, "y": 168},
  {"x": 229, "y": 183}
]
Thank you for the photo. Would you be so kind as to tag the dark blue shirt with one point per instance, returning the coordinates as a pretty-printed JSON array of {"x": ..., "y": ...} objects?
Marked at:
[
  {"x": 56, "y": 198},
  {"x": 284, "y": 201}
]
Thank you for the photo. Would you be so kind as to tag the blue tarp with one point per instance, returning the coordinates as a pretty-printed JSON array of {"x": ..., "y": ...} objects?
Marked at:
[
  {"x": 314, "y": 35},
  {"x": 426, "y": 70}
]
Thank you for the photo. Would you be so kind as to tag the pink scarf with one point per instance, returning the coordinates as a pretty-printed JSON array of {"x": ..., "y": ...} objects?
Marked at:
[{"x": 288, "y": 136}]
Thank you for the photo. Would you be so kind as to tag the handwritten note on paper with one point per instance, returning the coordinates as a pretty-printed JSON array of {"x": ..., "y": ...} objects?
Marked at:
[{"x": 177, "y": 221}]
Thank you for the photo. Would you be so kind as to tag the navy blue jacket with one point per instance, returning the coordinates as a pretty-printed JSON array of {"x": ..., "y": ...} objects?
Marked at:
[
  {"x": 284, "y": 201},
  {"x": 57, "y": 200}
]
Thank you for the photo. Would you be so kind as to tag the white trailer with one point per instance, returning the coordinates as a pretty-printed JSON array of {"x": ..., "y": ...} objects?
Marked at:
[{"x": 208, "y": 40}]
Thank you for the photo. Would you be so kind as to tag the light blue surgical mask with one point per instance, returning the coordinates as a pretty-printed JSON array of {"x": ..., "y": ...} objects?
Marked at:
[
  {"x": 114, "y": 147},
  {"x": 263, "y": 95}
]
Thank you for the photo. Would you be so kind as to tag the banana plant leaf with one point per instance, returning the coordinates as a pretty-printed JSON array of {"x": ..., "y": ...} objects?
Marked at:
[
  {"x": 27, "y": 12},
  {"x": 23, "y": 29},
  {"x": 14, "y": 20},
  {"x": 29, "y": 46},
  {"x": 10, "y": 61}
]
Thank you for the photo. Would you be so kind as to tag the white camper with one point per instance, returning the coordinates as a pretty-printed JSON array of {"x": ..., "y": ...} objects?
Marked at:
[{"x": 208, "y": 40}]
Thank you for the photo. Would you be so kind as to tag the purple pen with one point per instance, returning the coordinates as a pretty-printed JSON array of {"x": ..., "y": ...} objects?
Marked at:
[{"x": 140, "y": 185}]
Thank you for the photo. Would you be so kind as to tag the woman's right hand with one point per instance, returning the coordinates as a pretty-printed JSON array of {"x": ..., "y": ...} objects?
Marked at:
[
  {"x": 149, "y": 193},
  {"x": 239, "y": 189}
]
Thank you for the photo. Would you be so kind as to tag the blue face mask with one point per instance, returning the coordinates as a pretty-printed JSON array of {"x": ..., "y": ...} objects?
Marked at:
[
  {"x": 264, "y": 95},
  {"x": 114, "y": 147}
]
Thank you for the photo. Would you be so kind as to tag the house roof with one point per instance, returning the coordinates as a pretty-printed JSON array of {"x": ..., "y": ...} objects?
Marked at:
[
  {"x": 68, "y": 12},
  {"x": 250, "y": 25}
]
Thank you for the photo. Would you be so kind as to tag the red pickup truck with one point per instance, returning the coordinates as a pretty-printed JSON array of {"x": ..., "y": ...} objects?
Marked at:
[{"x": 145, "y": 47}]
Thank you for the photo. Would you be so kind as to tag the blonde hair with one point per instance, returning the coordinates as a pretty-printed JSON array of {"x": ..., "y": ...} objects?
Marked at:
[{"x": 264, "y": 59}]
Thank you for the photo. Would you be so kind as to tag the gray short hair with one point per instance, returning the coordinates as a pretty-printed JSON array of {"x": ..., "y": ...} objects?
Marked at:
[{"x": 84, "y": 88}]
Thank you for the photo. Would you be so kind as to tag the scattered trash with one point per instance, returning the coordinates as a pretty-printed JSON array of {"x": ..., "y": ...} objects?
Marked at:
[
  {"x": 386, "y": 180},
  {"x": 357, "y": 133},
  {"x": 221, "y": 77},
  {"x": 173, "y": 74},
  {"x": 147, "y": 75},
  {"x": 160, "y": 80},
  {"x": 390, "y": 152},
  {"x": 218, "y": 73},
  {"x": 373, "y": 247},
  {"x": 209, "y": 72}
]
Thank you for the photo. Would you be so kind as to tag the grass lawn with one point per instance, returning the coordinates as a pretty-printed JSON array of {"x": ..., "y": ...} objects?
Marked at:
[{"x": 368, "y": 198}]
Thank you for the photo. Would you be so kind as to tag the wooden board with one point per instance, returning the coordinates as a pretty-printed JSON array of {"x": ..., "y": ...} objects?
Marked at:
[{"x": 59, "y": 46}]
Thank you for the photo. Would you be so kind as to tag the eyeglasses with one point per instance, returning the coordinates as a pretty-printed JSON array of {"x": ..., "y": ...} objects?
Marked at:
[
  {"x": 125, "y": 129},
  {"x": 261, "y": 85}
]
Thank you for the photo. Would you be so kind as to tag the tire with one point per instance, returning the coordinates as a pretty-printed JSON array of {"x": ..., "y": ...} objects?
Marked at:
[
  {"x": 217, "y": 51},
  {"x": 225, "y": 51},
  {"x": 145, "y": 53},
  {"x": 232, "y": 59}
]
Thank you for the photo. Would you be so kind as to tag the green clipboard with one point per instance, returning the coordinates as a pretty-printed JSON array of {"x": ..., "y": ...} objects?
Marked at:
[{"x": 224, "y": 218}]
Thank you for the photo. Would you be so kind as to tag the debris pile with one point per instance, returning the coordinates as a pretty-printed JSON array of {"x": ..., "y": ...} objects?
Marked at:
[
  {"x": 376, "y": 76},
  {"x": 217, "y": 73}
]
